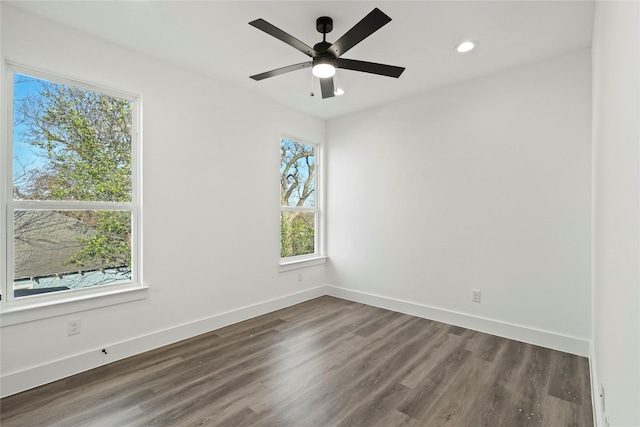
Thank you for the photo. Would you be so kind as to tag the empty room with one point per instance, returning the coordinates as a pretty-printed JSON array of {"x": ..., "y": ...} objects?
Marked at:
[{"x": 320, "y": 213}]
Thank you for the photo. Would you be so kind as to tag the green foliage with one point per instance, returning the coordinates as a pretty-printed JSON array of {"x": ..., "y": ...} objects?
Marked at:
[
  {"x": 87, "y": 138},
  {"x": 111, "y": 244},
  {"x": 297, "y": 233}
]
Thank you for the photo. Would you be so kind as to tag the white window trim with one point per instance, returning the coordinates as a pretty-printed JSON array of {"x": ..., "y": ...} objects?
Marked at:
[
  {"x": 318, "y": 257},
  {"x": 302, "y": 261},
  {"x": 25, "y": 309}
]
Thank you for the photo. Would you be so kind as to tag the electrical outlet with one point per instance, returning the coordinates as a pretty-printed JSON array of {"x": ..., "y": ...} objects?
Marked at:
[
  {"x": 299, "y": 277},
  {"x": 73, "y": 327},
  {"x": 475, "y": 295}
]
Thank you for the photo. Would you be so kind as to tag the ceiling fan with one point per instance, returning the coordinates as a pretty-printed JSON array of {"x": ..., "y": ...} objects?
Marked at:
[{"x": 326, "y": 57}]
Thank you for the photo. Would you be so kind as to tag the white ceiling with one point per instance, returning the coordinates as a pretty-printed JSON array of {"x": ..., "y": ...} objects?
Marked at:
[{"x": 214, "y": 37}]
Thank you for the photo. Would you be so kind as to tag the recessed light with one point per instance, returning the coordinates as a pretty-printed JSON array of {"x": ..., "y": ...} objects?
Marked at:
[
  {"x": 466, "y": 46},
  {"x": 339, "y": 92}
]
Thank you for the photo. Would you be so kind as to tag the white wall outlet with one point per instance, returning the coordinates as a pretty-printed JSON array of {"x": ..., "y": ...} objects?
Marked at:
[
  {"x": 299, "y": 277},
  {"x": 73, "y": 327},
  {"x": 475, "y": 295}
]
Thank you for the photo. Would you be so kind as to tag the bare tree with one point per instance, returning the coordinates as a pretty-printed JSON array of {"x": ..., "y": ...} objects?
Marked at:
[{"x": 297, "y": 189}]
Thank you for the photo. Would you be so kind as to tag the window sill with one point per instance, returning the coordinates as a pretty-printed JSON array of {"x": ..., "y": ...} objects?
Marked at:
[
  {"x": 302, "y": 263},
  {"x": 60, "y": 307}
]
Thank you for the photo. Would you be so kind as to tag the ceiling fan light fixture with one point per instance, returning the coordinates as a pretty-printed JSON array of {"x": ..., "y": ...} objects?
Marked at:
[
  {"x": 466, "y": 46},
  {"x": 323, "y": 67},
  {"x": 323, "y": 71}
]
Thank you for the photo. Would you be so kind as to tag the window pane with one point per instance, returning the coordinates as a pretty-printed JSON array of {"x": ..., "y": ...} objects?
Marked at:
[
  {"x": 297, "y": 174},
  {"x": 70, "y": 143},
  {"x": 297, "y": 233},
  {"x": 70, "y": 249}
]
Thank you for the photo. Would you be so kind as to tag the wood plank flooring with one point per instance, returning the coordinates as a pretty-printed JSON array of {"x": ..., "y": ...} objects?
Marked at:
[{"x": 325, "y": 362}]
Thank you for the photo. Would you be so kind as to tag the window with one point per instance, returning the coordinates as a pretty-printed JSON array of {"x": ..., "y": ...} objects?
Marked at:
[
  {"x": 72, "y": 189},
  {"x": 299, "y": 201}
]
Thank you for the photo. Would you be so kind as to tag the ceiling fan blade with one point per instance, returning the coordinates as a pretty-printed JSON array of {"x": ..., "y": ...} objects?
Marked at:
[
  {"x": 326, "y": 85},
  {"x": 276, "y": 32},
  {"x": 369, "y": 67},
  {"x": 371, "y": 23},
  {"x": 282, "y": 70}
]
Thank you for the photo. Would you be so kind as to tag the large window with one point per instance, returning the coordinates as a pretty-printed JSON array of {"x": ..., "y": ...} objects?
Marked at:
[
  {"x": 72, "y": 197},
  {"x": 299, "y": 201}
]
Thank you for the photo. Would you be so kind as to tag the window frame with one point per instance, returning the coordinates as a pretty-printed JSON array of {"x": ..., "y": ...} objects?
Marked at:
[
  {"x": 318, "y": 257},
  {"x": 16, "y": 310}
]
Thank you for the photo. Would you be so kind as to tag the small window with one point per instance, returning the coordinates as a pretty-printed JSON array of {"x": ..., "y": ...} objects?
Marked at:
[
  {"x": 72, "y": 209},
  {"x": 299, "y": 210}
]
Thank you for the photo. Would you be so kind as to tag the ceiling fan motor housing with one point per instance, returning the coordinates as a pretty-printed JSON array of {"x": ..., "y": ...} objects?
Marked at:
[
  {"x": 323, "y": 49},
  {"x": 324, "y": 24}
]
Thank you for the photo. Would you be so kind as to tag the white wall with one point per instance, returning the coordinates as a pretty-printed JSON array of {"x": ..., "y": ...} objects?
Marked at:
[
  {"x": 482, "y": 185},
  {"x": 616, "y": 139},
  {"x": 211, "y": 206}
]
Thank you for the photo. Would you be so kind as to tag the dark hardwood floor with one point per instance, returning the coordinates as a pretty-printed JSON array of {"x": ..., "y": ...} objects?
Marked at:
[{"x": 325, "y": 362}]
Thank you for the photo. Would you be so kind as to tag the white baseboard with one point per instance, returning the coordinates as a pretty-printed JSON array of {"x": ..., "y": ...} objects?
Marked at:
[
  {"x": 16, "y": 382},
  {"x": 596, "y": 402},
  {"x": 542, "y": 338}
]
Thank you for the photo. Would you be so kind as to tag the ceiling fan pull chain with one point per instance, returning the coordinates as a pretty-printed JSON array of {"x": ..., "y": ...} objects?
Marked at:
[{"x": 311, "y": 94}]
